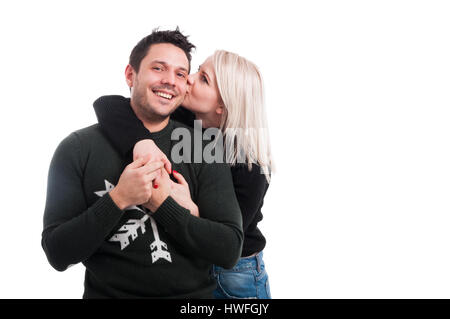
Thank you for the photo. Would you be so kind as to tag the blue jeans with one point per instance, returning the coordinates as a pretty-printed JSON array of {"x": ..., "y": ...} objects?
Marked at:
[{"x": 248, "y": 279}]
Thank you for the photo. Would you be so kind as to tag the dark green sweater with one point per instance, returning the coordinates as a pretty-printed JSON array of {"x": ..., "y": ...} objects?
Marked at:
[{"x": 121, "y": 251}]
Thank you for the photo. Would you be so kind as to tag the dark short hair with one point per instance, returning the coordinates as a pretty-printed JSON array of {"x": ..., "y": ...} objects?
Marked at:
[{"x": 173, "y": 37}]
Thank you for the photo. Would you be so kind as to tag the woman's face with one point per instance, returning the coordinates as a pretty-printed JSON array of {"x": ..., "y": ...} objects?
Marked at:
[{"x": 203, "y": 97}]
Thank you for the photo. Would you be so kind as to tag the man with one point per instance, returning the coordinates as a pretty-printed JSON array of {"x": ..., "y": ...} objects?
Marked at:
[{"x": 93, "y": 213}]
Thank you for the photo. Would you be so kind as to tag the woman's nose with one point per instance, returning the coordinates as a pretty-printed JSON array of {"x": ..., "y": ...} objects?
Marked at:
[{"x": 190, "y": 79}]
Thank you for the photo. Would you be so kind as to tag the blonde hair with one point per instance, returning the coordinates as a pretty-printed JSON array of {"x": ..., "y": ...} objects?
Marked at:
[{"x": 244, "y": 121}]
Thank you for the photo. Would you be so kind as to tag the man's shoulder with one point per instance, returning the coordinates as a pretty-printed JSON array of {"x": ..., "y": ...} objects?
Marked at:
[
  {"x": 88, "y": 144},
  {"x": 92, "y": 138},
  {"x": 89, "y": 132},
  {"x": 85, "y": 139},
  {"x": 77, "y": 137}
]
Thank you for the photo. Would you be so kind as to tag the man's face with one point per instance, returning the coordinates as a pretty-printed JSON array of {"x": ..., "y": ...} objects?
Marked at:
[{"x": 160, "y": 85}]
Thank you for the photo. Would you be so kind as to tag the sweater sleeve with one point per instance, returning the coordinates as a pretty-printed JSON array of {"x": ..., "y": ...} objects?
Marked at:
[
  {"x": 217, "y": 235},
  {"x": 121, "y": 126},
  {"x": 72, "y": 231},
  {"x": 250, "y": 187},
  {"x": 119, "y": 123}
]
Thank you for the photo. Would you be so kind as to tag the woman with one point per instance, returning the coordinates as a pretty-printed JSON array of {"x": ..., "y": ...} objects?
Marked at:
[{"x": 226, "y": 93}]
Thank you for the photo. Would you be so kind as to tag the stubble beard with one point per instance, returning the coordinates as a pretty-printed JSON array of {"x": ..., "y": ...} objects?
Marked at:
[{"x": 145, "y": 111}]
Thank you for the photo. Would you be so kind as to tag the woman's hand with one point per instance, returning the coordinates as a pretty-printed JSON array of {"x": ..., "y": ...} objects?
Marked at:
[
  {"x": 180, "y": 193},
  {"x": 162, "y": 185},
  {"x": 148, "y": 147}
]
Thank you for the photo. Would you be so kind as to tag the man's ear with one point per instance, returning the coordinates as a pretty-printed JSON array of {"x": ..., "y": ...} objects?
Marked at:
[{"x": 129, "y": 75}]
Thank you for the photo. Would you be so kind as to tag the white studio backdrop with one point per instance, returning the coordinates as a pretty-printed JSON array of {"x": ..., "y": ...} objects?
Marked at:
[{"x": 359, "y": 109}]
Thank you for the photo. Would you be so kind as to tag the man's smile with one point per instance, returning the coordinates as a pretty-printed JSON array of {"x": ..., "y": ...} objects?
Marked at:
[{"x": 164, "y": 94}]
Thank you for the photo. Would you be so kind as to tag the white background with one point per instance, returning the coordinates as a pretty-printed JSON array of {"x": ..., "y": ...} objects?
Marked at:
[{"x": 358, "y": 100}]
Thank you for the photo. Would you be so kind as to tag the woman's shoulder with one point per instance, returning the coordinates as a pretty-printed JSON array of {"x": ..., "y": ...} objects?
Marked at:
[{"x": 243, "y": 174}]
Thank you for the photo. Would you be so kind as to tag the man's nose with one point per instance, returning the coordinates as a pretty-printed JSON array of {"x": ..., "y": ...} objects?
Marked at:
[{"x": 168, "y": 78}]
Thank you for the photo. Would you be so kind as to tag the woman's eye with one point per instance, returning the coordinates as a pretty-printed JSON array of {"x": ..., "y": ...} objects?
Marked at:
[{"x": 204, "y": 79}]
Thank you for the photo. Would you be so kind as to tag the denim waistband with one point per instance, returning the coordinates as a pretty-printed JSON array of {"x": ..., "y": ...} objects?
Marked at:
[{"x": 252, "y": 262}]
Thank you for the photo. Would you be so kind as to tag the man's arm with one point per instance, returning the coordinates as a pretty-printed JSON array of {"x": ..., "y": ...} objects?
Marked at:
[
  {"x": 72, "y": 230},
  {"x": 217, "y": 235}
]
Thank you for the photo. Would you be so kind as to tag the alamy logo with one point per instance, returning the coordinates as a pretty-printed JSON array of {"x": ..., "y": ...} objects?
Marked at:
[
  {"x": 129, "y": 230},
  {"x": 220, "y": 146}
]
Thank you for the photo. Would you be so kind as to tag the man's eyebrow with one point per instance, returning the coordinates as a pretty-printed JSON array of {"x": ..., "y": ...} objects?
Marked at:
[{"x": 165, "y": 64}]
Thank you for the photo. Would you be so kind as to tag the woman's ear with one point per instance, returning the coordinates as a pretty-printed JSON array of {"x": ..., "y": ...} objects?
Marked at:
[
  {"x": 219, "y": 110},
  {"x": 129, "y": 75}
]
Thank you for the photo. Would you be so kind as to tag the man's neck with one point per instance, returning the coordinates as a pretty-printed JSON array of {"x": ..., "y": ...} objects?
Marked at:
[
  {"x": 152, "y": 126},
  {"x": 155, "y": 127}
]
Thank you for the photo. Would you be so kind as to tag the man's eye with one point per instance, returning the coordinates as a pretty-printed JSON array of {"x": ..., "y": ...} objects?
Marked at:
[
  {"x": 182, "y": 75},
  {"x": 157, "y": 68}
]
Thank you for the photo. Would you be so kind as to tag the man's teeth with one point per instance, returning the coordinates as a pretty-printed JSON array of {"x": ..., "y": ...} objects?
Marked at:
[{"x": 164, "y": 95}]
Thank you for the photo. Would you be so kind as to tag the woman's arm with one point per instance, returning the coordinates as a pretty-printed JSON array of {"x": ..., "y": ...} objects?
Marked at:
[
  {"x": 121, "y": 125},
  {"x": 216, "y": 236},
  {"x": 250, "y": 188}
]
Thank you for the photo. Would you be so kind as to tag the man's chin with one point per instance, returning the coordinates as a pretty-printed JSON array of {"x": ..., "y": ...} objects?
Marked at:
[{"x": 154, "y": 114}]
